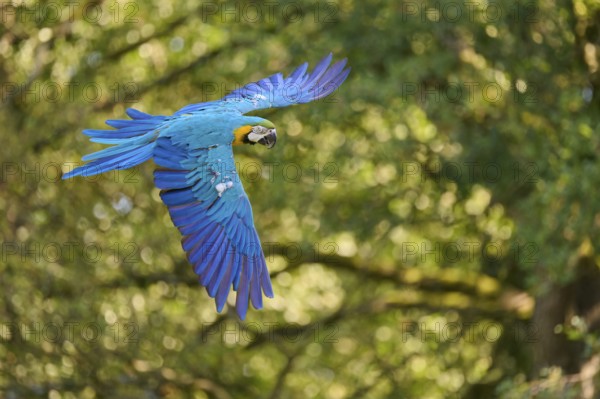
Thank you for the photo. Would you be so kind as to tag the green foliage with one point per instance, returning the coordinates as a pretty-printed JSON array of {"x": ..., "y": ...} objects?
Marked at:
[{"x": 409, "y": 220}]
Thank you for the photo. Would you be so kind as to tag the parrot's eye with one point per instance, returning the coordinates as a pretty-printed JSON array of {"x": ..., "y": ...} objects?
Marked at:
[{"x": 262, "y": 135}]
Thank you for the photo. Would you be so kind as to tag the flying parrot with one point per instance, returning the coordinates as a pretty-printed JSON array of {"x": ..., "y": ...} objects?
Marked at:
[{"x": 197, "y": 177}]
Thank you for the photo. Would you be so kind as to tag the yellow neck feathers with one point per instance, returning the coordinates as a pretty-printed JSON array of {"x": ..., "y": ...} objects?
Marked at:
[{"x": 240, "y": 133}]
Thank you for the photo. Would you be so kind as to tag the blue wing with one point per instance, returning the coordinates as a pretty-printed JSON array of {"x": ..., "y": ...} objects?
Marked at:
[
  {"x": 208, "y": 204},
  {"x": 276, "y": 91}
]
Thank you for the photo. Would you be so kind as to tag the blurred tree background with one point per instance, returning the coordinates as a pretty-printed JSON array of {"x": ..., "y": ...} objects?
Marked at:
[{"x": 432, "y": 228}]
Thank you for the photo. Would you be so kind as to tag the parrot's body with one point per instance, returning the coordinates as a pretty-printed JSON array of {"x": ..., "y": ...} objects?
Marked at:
[{"x": 197, "y": 175}]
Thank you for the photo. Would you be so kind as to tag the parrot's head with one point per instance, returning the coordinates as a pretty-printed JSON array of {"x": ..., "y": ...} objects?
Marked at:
[{"x": 256, "y": 130}]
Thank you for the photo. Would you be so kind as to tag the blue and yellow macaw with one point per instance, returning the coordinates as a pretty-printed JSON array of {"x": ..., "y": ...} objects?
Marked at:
[{"x": 197, "y": 175}]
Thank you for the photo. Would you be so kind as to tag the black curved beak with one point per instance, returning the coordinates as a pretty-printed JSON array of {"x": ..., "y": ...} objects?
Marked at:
[{"x": 269, "y": 139}]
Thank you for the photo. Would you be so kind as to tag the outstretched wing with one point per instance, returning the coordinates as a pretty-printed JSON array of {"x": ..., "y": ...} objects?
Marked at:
[
  {"x": 208, "y": 204},
  {"x": 276, "y": 91}
]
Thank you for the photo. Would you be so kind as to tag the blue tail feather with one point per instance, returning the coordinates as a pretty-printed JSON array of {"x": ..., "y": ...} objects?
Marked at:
[
  {"x": 126, "y": 132},
  {"x": 113, "y": 162},
  {"x": 124, "y": 123},
  {"x": 135, "y": 114},
  {"x": 133, "y": 143}
]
